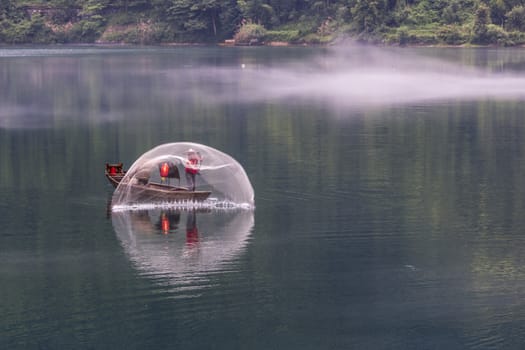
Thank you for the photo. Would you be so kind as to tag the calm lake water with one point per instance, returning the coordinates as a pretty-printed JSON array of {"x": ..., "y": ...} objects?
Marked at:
[{"x": 389, "y": 192}]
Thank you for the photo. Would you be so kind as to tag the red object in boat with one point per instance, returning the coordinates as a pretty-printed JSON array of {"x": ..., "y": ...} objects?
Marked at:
[{"x": 164, "y": 170}]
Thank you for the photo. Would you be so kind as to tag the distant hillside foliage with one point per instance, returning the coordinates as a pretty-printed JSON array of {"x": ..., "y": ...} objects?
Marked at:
[{"x": 403, "y": 22}]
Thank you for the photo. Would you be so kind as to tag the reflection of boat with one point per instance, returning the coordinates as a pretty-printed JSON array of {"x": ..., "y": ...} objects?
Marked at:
[
  {"x": 114, "y": 173},
  {"x": 179, "y": 248},
  {"x": 165, "y": 221}
]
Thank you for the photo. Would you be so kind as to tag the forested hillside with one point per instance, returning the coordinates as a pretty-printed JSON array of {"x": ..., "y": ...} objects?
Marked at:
[{"x": 452, "y": 22}]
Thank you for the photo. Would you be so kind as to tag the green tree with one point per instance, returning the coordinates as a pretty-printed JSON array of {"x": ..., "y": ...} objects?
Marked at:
[
  {"x": 201, "y": 19},
  {"x": 250, "y": 32},
  {"x": 92, "y": 25},
  {"x": 132, "y": 5},
  {"x": 6, "y": 7},
  {"x": 368, "y": 15},
  {"x": 498, "y": 9},
  {"x": 9, "y": 11},
  {"x": 516, "y": 18},
  {"x": 257, "y": 11},
  {"x": 229, "y": 19},
  {"x": 481, "y": 22},
  {"x": 452, "y": 13},
  {"x": 94, "y": 7}
]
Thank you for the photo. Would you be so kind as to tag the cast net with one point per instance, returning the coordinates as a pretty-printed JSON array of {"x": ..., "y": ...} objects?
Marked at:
[{"x": 184, "y": 175}]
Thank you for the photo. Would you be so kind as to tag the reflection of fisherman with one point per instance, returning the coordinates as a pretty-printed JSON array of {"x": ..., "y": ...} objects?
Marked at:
[
  {"x": 192, "y": 233},
  {"x": 192, "y": 166}
]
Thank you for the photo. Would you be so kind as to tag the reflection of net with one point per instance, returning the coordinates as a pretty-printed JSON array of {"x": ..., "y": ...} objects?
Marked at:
[{"x": 184, "y": 175}]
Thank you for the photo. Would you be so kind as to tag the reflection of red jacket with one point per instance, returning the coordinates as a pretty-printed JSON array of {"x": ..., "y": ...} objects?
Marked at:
[{"x": 192, "y": 235}]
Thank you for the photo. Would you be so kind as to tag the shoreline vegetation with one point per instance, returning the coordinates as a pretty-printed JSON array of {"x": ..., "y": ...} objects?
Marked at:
[{"x": 264, "y": 22}]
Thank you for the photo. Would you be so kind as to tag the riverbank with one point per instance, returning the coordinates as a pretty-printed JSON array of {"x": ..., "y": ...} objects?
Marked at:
[
  {"x": 421, "y": 22},
  {"x": 151, "y": 33}
]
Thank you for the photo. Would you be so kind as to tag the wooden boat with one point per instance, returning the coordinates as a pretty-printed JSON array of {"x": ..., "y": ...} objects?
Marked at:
[
  {"x": 160, "y": 192},
  {"x": 114, "y": 173},
  {"x": 151, "y": 191}
]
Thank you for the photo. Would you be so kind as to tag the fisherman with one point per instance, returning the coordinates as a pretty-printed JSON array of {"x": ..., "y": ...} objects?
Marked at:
[{"x": 192, "y": 166}]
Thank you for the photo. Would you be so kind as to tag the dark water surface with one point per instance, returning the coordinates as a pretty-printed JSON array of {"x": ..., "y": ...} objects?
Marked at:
[{"x": 389, "y": 199}]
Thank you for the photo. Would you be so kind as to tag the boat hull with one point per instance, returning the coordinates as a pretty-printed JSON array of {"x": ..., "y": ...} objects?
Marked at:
[
  {"x": 153, "y": 192},
  {"x": 114, "y": 179}
]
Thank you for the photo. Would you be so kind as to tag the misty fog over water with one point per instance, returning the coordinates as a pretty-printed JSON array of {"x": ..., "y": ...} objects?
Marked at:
[{"x": 352, "y": 77}]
